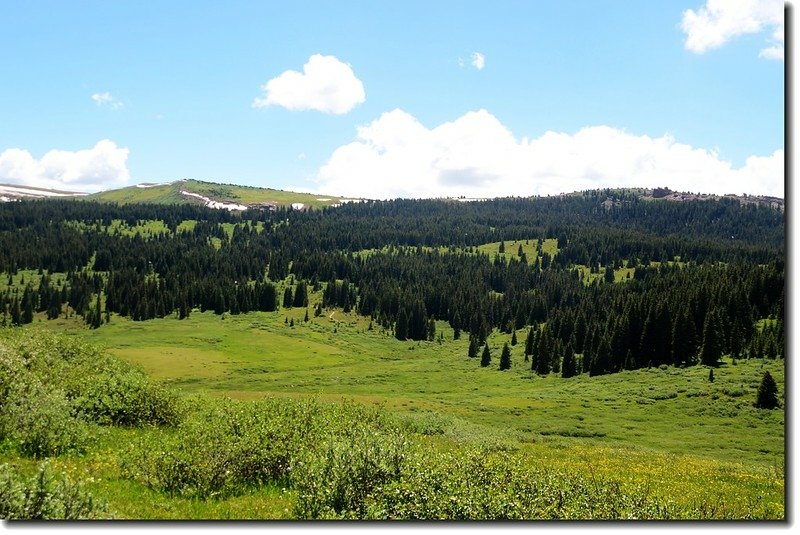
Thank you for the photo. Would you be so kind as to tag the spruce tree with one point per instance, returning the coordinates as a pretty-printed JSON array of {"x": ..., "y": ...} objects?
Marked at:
[
  {"x": 767, "y": 395},
  {"x": 401, "y": 326},
  {"x": 300, "y": 295},
  {"x": 608, "y": 274},
  {"x": 568, "y": 368},
  {"x": 27, "y": 305},
  {"x": 287, "y": 297},
  {"x": 542, "y": 358},
  {"x": 684, "y": 344},
  {"x": 712, "y": 344},
  {"x": 514, "y": 338},
  {"x": 505, "y": 358},
  {"x": 529, "y": 341},
  {"x": 472, "y": 352},
  {"x": 602, "y": 359},
  {"x": 486, "y": 357}
]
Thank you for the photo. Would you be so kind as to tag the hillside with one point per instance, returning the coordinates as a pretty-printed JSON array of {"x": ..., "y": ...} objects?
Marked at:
[
  {"x": 9, "y": 192},
  {"x": 213, "y": 195}
]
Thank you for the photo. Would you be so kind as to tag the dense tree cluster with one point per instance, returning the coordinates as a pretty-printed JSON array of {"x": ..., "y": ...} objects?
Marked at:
[{"x": 705, "y": 272}]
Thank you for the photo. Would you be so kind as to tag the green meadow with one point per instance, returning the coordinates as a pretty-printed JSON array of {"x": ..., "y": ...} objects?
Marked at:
[
  {"x": 685, "y": 439},
  {"x": 334, "y": 356}
]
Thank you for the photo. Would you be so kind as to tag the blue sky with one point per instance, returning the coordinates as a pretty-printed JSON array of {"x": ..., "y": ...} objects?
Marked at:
[{"x": 569, "y": 95}]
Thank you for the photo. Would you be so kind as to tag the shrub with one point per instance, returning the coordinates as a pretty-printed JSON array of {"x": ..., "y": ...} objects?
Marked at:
[
  {"x": 38, "y": 419},
  {"x": 45, "y": 496},
  {"x": 339, "y": 479},
  {"x": 53, "y": 387},
  {"x": 227, "y": 446},
  {"x": 126, "y": 397}
]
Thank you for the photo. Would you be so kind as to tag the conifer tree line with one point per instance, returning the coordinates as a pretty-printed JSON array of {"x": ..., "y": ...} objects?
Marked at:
[{"x": 729, "y": 274}]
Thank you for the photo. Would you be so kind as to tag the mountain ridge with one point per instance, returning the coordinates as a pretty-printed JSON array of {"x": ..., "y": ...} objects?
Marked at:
[{"x": 239, "y": 197}]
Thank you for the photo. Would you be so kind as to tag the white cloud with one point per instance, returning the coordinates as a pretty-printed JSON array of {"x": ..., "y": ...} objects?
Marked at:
[
  {"x": 477, "y": 156},
  {"x": 771, "y": 52},
  {"x": 718, "y": 21},
  {"x": 100, "y": 167},
  {"x": 478, "y": 60},
  {"x": 326, "y": 84},
  {"x": 106, "y": 99}
]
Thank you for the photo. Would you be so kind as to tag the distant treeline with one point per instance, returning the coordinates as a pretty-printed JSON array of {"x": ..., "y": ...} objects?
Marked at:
[{"x": 721, "y": 269}]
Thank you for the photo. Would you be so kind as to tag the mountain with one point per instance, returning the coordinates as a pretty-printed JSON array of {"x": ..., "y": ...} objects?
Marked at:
[
  {"x": 237, "y": 197},
  {"x": 10, "y": 192}
]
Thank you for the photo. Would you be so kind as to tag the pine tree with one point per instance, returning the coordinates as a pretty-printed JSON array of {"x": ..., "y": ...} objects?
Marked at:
[
  {"x": 431, "y": 329},
  {"x": 27, "y": 305},
  {"x": 505, "y": 358},
  {"x": 287, "y": 297},
  {"x": 767, "y": 395},
  {"x": 502, "y": 248},
  {"x": 568, "y": 368},
  {"x": 712, "y": 344},
  {"x": 602, "y": 359},
  {"x": 305, "y": 318},
  {"x": 418, "y": 322},
  {"x": 542, "y": 358},
  {"x": 401, "y": 326},
  {"x": 16, "y": 313},
  {"x": 514, "y": 338},
  {"x": 300, "y": 295},
  {"x": 486, "y": 358},
  {"x": 96, "y": 318},
  {"x": 608, "y": 274},
  {"x": 684, "y": 339},
  {"x": 472, "y": 352},
  {"x": 529, "y": 343}
]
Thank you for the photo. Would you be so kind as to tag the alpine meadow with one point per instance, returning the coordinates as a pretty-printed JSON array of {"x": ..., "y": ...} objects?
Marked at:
[{"x": 395, "y": 308}]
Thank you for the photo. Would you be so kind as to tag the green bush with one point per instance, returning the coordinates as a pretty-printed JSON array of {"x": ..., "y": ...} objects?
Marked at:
[
  {"x": 126, "y": 397},
  {"x": 339, "y": 478},
  {"x": 38, "y": 419},
  {"x": 225, "y": 447},
  {"x": 45, "y": 496},
  {"x": 53, "y": 388},
  {"x": 475, "y": 484}
]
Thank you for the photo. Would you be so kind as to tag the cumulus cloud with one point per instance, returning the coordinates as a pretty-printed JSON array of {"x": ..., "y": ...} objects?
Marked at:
[
  {"x": 719, "y": 21},
  {"x": 326, "y": 84},
  {"x": 478, "y": 60},
  {"x": 107, "y": 99},
  {"x": 477, "y": 156},
  {"x": 100, "y": 167}
]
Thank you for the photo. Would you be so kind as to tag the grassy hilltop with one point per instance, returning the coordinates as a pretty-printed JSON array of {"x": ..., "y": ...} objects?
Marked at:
[{"x": 226, "y": 193}]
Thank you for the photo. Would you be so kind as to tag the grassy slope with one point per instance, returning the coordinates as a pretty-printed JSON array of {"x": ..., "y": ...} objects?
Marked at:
[{"x": 170, "y": 194}]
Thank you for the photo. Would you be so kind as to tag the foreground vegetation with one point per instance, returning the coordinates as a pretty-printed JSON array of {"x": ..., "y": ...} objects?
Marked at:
[{"x": 308, "y": 456}]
